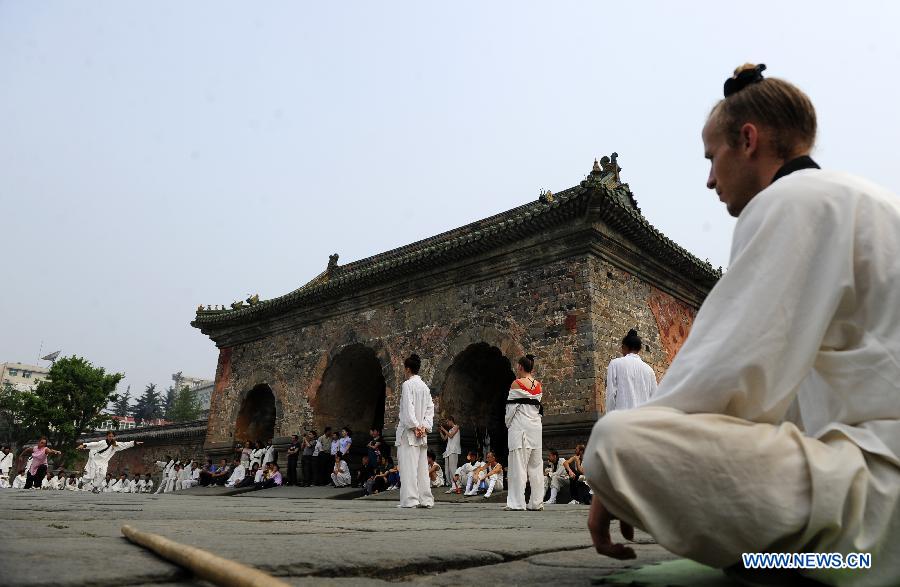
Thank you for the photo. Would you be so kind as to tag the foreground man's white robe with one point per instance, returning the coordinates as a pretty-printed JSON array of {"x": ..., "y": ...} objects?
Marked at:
[
  {"x": 630, "y": 382},
  {"x": 804, "y": 327},
  {"x": 416, "y": 409},
  {"x": 98, "y": 458},
  {"x": 524, "y": 439}
]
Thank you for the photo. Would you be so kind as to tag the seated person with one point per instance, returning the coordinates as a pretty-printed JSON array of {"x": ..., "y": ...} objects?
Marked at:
[
  {"x": 272, "y": 477},
  {"x": 250, "y": 476},
  {"x": 365, "y": 473},
  {"x": 237, "y": 474},
  {"x": 435, "y": 473},
  {"x": 107, "y": 485},
  {"x": 461, "y": 475},
  {"x": 489, "y": 473},
  {"x": 578, "y": 487},
  {"x": 554, "y": 474},
  {"x": 471, "y": 478},
  {"x": 393, "y": 475},
  {"x": 48, "y": 482},
  {"x": 72, "y": 483},
  {"x": 223, "y": 472},
  {"x": 340, "y": 476},
  {"x": 19, "y": 481},
  {"x": 121, "y": 484},
  {"x": 378, "y": 482},
  {"x": 148, "y": 484},
  {"x": 60, "y": 480}
]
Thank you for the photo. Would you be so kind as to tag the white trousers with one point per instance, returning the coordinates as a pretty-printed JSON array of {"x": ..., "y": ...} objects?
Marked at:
[
  {"x": 450, "y": 465},
  {"x": 710, "y": 487},
  {"x": 341, "y": 480},
  {"x": 415, "y": 483},
  {"x": 525, "y": 463}
]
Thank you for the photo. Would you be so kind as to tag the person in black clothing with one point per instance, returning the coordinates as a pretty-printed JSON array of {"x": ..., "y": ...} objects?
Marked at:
[
  {"x": 293, "y": 454},
  {"x": 366, "y": 472},
  {"x": 249, "y": 477}
]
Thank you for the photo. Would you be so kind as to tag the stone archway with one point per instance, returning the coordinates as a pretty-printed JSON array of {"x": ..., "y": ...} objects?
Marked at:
[
  {"x": 474, "y": 391},
  {"x": 256, "y": 419},
  {"x": 352, "y": 392}
]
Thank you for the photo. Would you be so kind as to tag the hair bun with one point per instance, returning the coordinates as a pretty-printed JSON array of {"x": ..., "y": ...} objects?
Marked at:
[
  {"x": 632, "y": 332},
  {"x": 530, "y": 357},
  {"x": 745, "y": 75}
]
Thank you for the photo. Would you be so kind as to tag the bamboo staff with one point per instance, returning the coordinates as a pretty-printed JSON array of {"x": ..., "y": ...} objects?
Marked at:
[{"x": 203, "y": 564}]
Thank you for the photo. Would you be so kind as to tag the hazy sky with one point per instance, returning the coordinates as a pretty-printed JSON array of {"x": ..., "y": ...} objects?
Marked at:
[{"x": 159, "y": 155}]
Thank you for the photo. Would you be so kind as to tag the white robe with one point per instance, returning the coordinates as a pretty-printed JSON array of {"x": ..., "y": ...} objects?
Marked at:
[
  {"x": 269, "y": 456},
  {"x": 237, "y": 475},
  {"x": 630, "y": 382},
  {"x": 416, "y": 409},
  {"x": 525, "y": 430},
  {"x": 788, "y": 382},
  {"x": 72, "y": 485},
  {"x": 19, "y": 482},
  {"x": 342, "y": 477},
  {"x": 257, "y": 456},
  {"x": 148, "y": 486},
  {"x": 168, "y": 468},
  {"x": 99, "y": 456}
]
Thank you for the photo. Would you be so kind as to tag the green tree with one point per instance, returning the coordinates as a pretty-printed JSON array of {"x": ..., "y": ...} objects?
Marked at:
[
  {"x": 15, "y": 427},
  {"x": 170, "y": 401},
  {"x": 68, "y": 403},
  {"x": 186, "y": 406},
  {"x": 120, "y": 406},
  {"x": 148, "y": 406}
]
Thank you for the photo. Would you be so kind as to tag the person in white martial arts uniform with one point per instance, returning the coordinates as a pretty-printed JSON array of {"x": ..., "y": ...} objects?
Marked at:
[
  {"x": 121, "y": 484},
  {"x": 257, "y": 455},
  {"x": 340, "y": 475},
  {"x": 435, "y": 474},
  {"x": 148, "y": 484},
  {"x": 6, "y": 465},
  {"x": 450, "y": 433},
  {"x": 167, "y": 482},
  {"x": 48, "y": 482},
  {"x": 490, "y": 472},
  {"x": 472, "y": 473},
  {"x": 60, "y": 480},
  {"x": 237, "y": 474},
  {"x": 523, "y": 419},
  {"x": 461, "y": 475},
  {"x": 414, "y": 423},
  {"x": 777, "y": 426},
  {"x": 72, "y": 483},
  {"x": 630, "y": 381},
  {"x": 99, "y": 454},
  {"x": 19, "y": 480},
  {"x": 269, "y": 454},
  {"x": 194, "y": 479},
  {"x": 555, "y": 475}
]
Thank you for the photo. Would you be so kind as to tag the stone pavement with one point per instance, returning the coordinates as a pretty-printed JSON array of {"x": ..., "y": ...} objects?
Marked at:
[{"x": 67, "y": 538}]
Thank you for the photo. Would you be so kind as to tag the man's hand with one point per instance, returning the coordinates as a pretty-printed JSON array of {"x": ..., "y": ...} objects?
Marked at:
[{"x": 598, "y": 523}]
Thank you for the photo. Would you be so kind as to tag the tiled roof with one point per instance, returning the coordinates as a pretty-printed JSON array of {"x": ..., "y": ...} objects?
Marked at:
[{"x": 616, "y": 202}]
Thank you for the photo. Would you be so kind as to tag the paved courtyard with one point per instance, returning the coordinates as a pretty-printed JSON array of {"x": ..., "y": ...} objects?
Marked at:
[{"x": 304, "y": 535}]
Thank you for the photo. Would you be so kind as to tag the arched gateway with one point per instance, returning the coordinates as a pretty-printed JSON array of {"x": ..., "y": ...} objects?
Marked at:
[{"x": 564, "y": 276}]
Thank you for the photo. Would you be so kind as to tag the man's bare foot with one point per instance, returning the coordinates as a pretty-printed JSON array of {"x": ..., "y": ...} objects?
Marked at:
[{"x": 598, "y": 523}]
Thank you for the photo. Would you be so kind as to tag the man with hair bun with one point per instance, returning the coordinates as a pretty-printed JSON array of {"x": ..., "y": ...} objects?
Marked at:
[
  {"x": 777, "y": 426},
  {"x": 413, "y": 425},
  {"x": 630, "y": 381}
]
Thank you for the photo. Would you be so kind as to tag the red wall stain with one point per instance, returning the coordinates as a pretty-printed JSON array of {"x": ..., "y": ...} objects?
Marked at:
[
  {"x": 223, "y": 370},
  {"x": 673, "y": 318},
  {"x": 571, "y": 322}
]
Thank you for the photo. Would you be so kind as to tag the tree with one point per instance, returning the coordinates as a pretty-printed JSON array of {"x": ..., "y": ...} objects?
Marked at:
[
  {"x": 170, "y": 401},
  {"x": 120, "y": 406},
  {"x": 148, "y": 406},
  {"x": 185, "y": 407},
  {"x": 15, "y": 428},
  {"x": 65, "y": 405}
]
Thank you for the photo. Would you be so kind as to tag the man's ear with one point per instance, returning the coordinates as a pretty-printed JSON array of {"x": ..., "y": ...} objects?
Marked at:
[{"x": 749, "y": 138}]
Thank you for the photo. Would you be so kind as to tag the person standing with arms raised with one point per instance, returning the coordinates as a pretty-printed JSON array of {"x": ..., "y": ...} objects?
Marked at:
[
  {"x": 523, "y": 419},
  {"x": 414, "y": 424}
]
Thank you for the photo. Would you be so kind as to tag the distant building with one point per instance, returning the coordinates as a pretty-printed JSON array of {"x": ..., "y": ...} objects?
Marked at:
[
  {"x": 21, "y": 376},
  {"x": 116, "y": 423},
  {"x": 202, "y": 389}
]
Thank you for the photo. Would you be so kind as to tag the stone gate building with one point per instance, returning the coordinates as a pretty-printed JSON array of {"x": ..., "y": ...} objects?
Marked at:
[{"x": 563, "y": 278}]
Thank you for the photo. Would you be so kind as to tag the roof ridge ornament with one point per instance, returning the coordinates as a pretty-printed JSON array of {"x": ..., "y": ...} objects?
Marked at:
[{"x": 546, "y": 197}]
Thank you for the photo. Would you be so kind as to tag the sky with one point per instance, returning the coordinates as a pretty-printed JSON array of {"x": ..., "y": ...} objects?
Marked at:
[{"x": 161, "y": 155}]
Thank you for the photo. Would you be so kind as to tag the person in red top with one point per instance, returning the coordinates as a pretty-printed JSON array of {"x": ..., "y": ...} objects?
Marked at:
[{"x": 523, "y": 420}]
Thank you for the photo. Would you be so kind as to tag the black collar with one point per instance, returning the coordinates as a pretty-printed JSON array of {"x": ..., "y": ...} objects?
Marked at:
[{"x": 803, "y": 162}]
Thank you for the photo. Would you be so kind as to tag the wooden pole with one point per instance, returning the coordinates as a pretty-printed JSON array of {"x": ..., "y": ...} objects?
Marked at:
[{"x": 203, "y": 564}]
